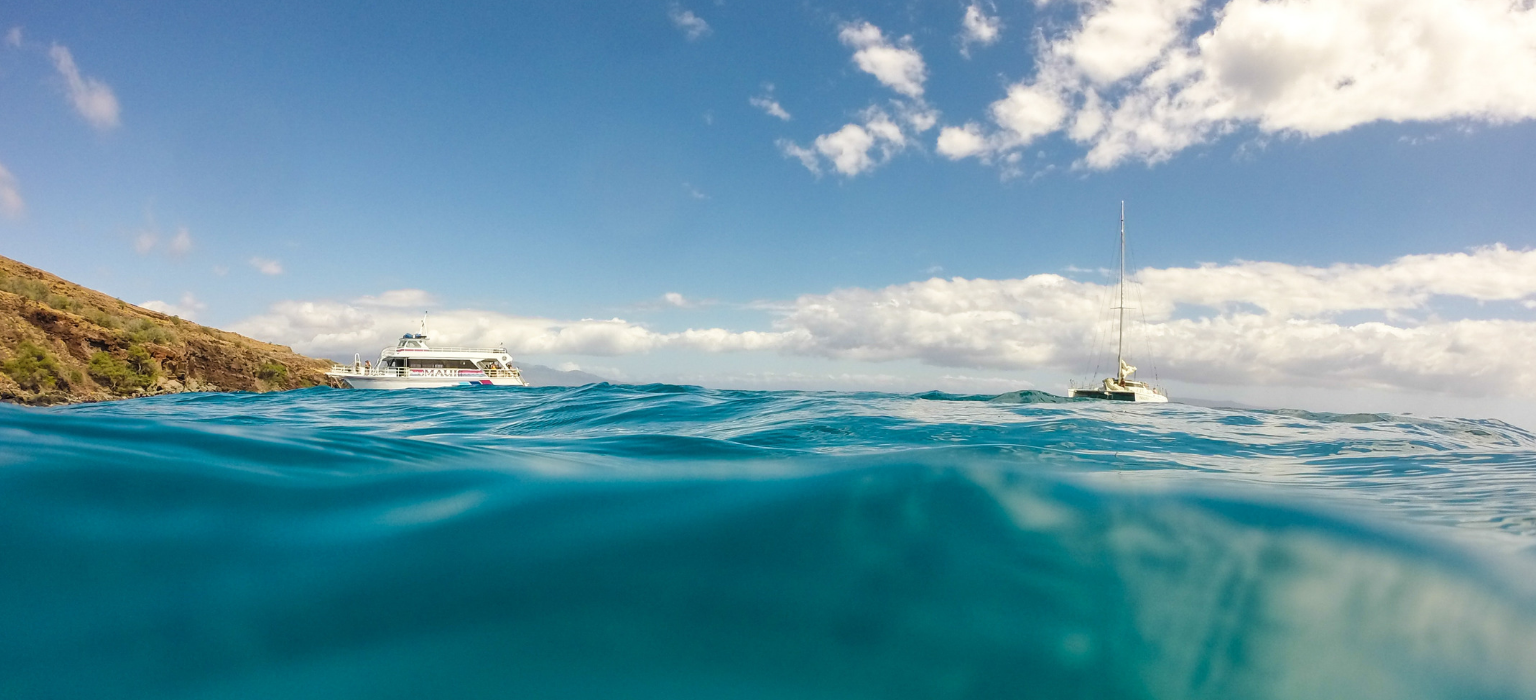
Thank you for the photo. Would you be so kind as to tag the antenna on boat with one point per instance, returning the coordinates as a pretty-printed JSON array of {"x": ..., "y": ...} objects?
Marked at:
[
  {"x": 423, "y": 324},
  {"x": 1120, "y": 344}
]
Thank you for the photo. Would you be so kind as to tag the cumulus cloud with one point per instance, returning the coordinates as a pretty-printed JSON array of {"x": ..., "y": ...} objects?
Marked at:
[
  {"x": 339, "y": 329},
  {"x": 977, "y": 28},
  {"x": 693, "y": 26},
  {"x": 181, "y": 243},
  {"x": 1133, "y": 80},
  {"x": 399, "y": 299},
  {"x": 188, "y": 307},
  {"x": 11, "y": 203},
  {"x": 266, "y": 266},
  {"x": 1256, "y": 323},
  {"x": 90, "y": 97},
  {"x": 861, "y": 146},
  {"x": 961, "y": 142},
  {"x": 1261, "y": 323},
  {"x": 807, "y": 156},
  {"x": 677, "y": 300},
  {"x": 853, "y": 149},
  {"x": 898, "y": 66},
  {"x": 769, "y": 104}
]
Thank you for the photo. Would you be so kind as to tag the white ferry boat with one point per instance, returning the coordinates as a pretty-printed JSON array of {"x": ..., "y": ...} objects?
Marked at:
[
  {"x": 1120, "y": 387},
  {"x": 414, "y": 364}
]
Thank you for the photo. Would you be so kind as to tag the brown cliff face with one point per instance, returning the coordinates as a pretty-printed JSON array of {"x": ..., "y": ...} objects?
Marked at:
[{"x": 63, "y": 343}]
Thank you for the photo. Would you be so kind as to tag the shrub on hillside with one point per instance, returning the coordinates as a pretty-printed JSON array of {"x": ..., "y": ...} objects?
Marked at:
[
  {"x": 138, "y": 371},
  {"x": 34, "y": 368},
  {"x": 31, "y": 289},
  {"x": 39, "y": 292},
  {"x": 143, "y": 330},
  {"x": 272, "y": 372},
  {"x": 103, "y": 318}
]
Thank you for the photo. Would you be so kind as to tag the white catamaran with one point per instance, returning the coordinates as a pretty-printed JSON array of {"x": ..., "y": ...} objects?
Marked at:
[
  {"x": 412, "y": 364},
  {"x": 1120, "y": 387}
]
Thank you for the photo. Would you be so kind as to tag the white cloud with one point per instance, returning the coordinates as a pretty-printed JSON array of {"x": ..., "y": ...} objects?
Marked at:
[
  {"x": 858, "y": 147},
  {"x": 145, "y": 242},
  {"x": 1123, "y": 37},
  {"x": 692, "y": 26},
  {"x": 1268, "y": 323},
  {"x": 1131, "y": 80},
  {"x": 769, "y": 105},
  {"x": 267, "y": 266},
  {"x": 339, "y": 329},
  {"x": 977, "y": 28},
  {"x": 13, "y": 37},
  {"x": 694, "y": 192},
  {"x": 11, "y": 203},
  {"x": 187, "y": 308},
  {"x": 848, "y": 149},
  {"x": 181, "y": 244},
  {"x": 806, "y": 156},
  {"x": 677, "y": 300},
  {"x": 961, "y": 142},
  {"x": 399, "y": 299},
  {"x": 1244, "y": 323},
  {"x": 898, "y": 66},
  {"x": 1028, "y": 112},
  {"x": 853, "y": 149},
  {"x": 91, "y": 97}
]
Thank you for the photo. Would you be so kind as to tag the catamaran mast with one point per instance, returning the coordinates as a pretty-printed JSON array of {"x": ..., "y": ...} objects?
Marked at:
[{"x": 1120, "y": 344}]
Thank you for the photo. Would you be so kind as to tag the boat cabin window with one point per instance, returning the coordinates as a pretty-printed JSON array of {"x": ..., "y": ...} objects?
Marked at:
[
  {"x": 395, "y": 362},
  {"x": 433, "y": 363},
  {"x": 490, "y": 364}
]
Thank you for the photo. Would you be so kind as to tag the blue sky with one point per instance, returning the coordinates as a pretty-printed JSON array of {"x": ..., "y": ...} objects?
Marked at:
[{"x": 581, "y": 160}]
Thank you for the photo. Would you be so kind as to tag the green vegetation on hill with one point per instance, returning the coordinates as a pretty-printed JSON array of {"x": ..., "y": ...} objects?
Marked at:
[
  {"x": 34, "y": 368},
  {"x": 138, "y": 371},
  {"x": 60, "y": 342},
  {"x": 272, "y": 372}
]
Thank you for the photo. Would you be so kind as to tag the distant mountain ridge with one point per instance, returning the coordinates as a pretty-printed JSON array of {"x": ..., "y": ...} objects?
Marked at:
[
  {"x": 539, "y": 375},
  {"x": 63, "y": 343}
]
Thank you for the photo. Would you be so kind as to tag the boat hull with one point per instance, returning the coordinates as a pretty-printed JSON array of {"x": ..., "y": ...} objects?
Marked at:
[
  {"x": 422, "y": 382},
  {"x": 1133, "y": 395},
  {"x": 422, "y": 379}
]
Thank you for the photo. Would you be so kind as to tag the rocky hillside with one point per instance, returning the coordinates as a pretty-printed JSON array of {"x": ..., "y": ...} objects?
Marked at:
[{"x": 63, "y": 343}]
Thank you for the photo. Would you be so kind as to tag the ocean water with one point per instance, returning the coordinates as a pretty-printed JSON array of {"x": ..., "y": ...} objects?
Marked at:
[{"x": 676, "y": 542}]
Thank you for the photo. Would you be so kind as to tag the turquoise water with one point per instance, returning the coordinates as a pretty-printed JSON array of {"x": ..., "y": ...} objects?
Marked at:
[{"x": 676, "y": 542}]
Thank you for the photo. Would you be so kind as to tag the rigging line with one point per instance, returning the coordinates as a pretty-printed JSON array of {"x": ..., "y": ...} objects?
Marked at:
[
  {"x": 1100, "y": 328},
  {"x": 1146, "y": 335},
  {"x": 1099, "y": 352},
  {"x": 1120, "y": 342}
]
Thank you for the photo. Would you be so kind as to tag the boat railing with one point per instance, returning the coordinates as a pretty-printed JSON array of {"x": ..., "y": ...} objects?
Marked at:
[
  {"x": 357, "y": 371},
  {"x": 450, "y": 348}
]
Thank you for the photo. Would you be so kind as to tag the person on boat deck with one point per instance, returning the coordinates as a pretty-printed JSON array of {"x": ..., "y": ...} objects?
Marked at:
[{"x": 367, "y": 364}]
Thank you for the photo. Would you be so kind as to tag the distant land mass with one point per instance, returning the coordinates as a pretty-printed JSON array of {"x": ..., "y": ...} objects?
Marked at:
[
  {"x": 63, "y": 343},
  {"x": 1219, "y": 403},
  {"x": 539, "y": 375}
]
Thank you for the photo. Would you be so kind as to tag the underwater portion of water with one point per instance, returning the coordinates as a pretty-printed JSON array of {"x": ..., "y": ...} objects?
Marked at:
[{"x": 676, "y": 542}]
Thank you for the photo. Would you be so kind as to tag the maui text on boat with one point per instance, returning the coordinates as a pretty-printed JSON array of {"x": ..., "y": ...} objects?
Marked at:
[
  {"x": 412, "y": 364},
  {"x": 1120, "y": 387}
]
